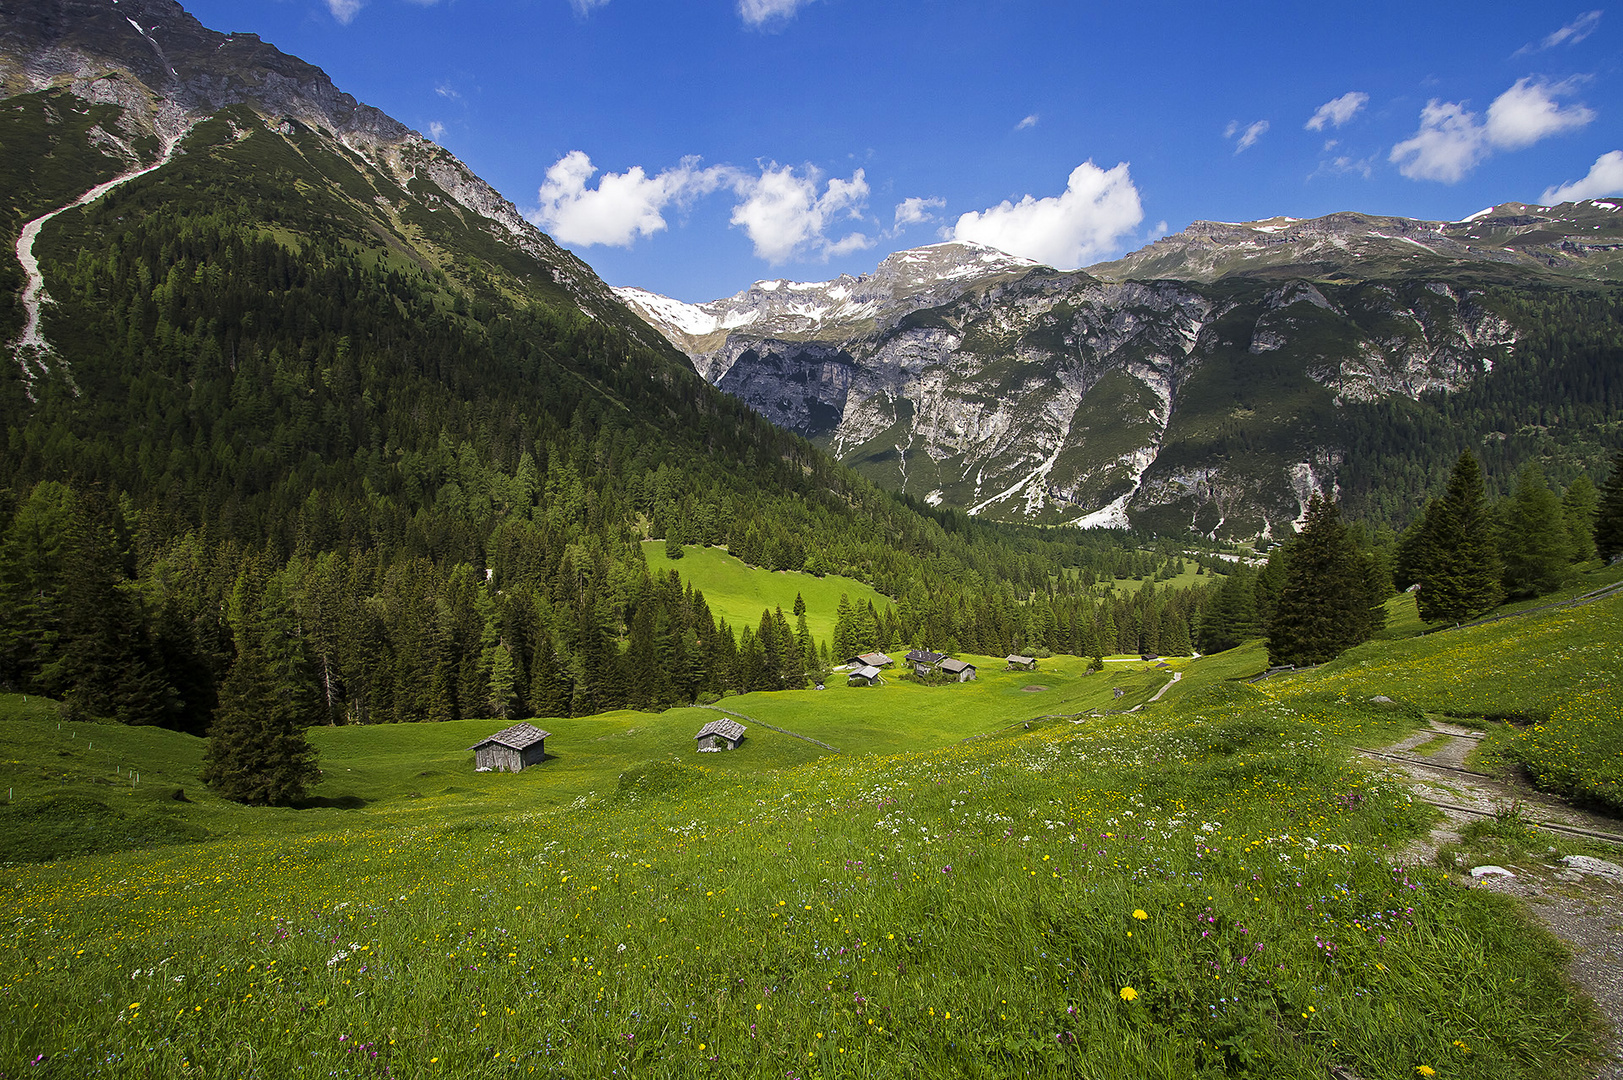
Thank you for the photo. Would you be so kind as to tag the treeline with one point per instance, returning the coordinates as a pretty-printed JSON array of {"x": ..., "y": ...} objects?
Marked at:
[
  {"x": 1463, "y": 555},
  {"x": 1466, "y": 553},
  {"x": 557, "y": 621}
]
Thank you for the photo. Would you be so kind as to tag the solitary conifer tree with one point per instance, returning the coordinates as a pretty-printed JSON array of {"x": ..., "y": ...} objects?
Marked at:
[
  {"x": 1533, "y": 537},
  {"x": 1326, "y": 604},
  {"x": 1458, "y": 565},
  {"x": 257, "y": 751},
  {"x": 1578, "y": 508}
]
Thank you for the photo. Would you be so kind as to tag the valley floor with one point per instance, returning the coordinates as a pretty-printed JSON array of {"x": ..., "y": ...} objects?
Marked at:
[{"x": 1215, "y": 884}]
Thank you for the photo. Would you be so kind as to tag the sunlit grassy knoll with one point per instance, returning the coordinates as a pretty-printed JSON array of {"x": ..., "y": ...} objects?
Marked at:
[
  {"x": 739, "y": 593},
  {"x": 1190, "y": 577},
  {"x": 1514, "y": 668},
  {"x": 1171, "y": 893}
]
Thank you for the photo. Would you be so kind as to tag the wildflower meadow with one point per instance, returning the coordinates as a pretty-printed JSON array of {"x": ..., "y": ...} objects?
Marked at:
[{"x": 1205, "y": 887}]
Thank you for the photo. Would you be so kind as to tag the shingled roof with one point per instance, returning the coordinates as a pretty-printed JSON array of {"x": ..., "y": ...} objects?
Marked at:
[
  {"x": 516, "y": 737},
  {"x": 727, "y": 729}
]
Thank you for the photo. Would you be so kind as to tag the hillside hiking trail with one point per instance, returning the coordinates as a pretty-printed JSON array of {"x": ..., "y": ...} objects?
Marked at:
[{"x": 1580, "y": 901}]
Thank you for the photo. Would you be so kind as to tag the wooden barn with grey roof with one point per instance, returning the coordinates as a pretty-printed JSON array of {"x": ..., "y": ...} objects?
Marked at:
[
  {"x": 512, "y": 749},
  {"x": 720, "y": 735}
]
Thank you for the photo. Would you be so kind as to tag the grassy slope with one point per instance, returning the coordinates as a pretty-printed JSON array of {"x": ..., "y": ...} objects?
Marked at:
[
  {"x": 738, "y": 593},
  {"x": 972, "y": 899}
]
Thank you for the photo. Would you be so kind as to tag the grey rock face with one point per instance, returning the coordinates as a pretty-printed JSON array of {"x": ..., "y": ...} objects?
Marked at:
[{"x": 1008, "y": 389}]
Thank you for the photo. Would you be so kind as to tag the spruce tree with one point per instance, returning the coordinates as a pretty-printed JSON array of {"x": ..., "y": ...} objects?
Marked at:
[
  {"x": 1326, "y": 604},
  {"x": 1458, "y": 566},
  {"x": 1609, "y": 515},
  {"x": 257, "y": 751},
  {"x": 1578, "y": 507},
  {"x": 1534, "y": 541}
]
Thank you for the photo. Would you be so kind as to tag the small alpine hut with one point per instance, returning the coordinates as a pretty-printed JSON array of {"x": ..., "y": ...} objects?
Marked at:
[
  {"x": 960, "y": 670},
  {"x": 512, "y": 749},
  {"x": 720, "y": 735},
  {"x": 865, "y": 676},
  {"x": 924, "y": 661},
  {"x": 1021, "y": 663},
  {"x": 871, "y": 659}
]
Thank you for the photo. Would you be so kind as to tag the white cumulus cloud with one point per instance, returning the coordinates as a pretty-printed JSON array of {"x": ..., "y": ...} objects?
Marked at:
[
  {"x": 757, "y": 12},
  {"x": 1081, "y": 225},
  {"x": 788, "y": 214},
  {"x": 1028, "y": 122},
  {"x": 1528, "y": 112},
  {"x": 623, "y": 206},
  {"x": 1452, "y": 140},
  {"x": 1448, "y": 145},
  {"x": 1605, "y": 178},
  {"x": 344, "y": 10},
  {"x": 1249, "y": 134},
  {"x": 1337, "y": 111},
  {"x": 916, "y": 211}
]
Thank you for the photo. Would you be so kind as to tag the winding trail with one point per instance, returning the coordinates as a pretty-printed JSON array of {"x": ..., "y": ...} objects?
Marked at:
[
  {"x": 1580, "y": 906},
  {"x": 31, "y": 347}
]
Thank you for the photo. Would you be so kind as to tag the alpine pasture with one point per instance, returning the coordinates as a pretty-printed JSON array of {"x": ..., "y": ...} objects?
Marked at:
[{"x": 978, "y": 880}]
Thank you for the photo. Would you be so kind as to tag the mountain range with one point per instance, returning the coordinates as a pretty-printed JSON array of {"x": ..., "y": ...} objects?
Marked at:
[{"x": 1210, "y": 381}]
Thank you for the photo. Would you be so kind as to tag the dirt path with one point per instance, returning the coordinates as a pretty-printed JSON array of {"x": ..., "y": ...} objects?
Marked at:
[{"x": 1581, "y": 905}]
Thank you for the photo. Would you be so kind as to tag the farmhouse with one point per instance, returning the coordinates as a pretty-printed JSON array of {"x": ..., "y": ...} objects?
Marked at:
[
  {"x": 925, "y": 658},
  {"x": 511, "y": 749},
  {"x": 1021, "y": 663},
  {"x": 871, "y": 659},
  {"x": 959, "y": 669},
  {"x": 720, "y": 735},
  {"x": 865, "y": 676}
]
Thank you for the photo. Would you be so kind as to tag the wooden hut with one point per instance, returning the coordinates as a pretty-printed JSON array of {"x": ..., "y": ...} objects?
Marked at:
[
  {"x": 720, "y": 735},
  {"x": 871, "y": 659},
  {"x": 865, "y": 676},
  {"x": 925, "y": 658},
  {"x": 960, "y": 670},
  {"x": 1021, "y": 663},
  {"x": 511, "y": 749}
]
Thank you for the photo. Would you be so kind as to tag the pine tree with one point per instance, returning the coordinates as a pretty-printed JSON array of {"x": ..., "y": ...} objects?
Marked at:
[
  {"x": 1326, "y": 604},
  {"x": 257, "y": 751},
  {"x": 1534, "y": 541},
  {"x": 1609, "y": 515},
  {"x": 1578, "y": 508},
  {"x": 1458, "y": 564}
]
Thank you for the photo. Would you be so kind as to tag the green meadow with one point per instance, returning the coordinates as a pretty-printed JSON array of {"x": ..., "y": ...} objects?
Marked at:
[
  {"x": 985, "y": 879},
  {"x": 739, "y": 593}
]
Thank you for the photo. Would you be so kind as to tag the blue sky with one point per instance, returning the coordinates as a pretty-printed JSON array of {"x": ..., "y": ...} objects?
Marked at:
[{"x": 694, "y": 146}]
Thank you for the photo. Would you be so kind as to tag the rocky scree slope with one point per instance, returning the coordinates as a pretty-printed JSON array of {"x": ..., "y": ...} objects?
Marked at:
[{"x": 969, "y": 378}]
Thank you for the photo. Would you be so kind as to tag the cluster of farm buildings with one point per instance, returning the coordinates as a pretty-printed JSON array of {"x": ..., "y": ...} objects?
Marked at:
[
  {"x": 868, "y": 669},
  {"x": 516, "y": 748}
]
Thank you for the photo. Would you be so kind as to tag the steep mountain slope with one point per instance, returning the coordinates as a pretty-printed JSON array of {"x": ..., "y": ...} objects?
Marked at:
[
  {"x": 1218, "y": 405},
  {"x": 99, "y": 89}
]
